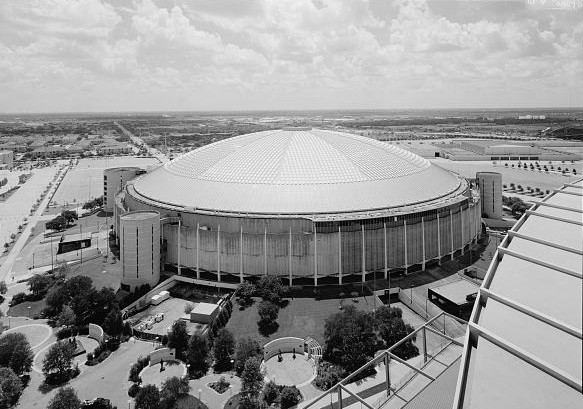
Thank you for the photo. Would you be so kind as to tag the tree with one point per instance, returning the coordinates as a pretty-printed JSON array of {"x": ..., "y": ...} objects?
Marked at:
[
  {"x": 148, "y": 398},
  {"x": 270, "y": 392},
  {"x": 63, "y": 269},
  {"x": 56, "y": 297},
  {"x": 15, "y": 352},
  {"x": 67, "y": 317},
  {"x": 172, "y": 389},
  {"x": 251, "y": 383},
  {"x": 268, "y": 311},
  {"x": 113, "y": 322},
  {"x": 10, "y": 388},
  {"x": 65, "y": 398},
  {"x": 245, "y": 291},
  {"x": 350, "y": 338},
  {"x": 391, "y": 327},
  {"x": 188, "y": 307},
  {"x": 197, "y": 356},
  {"x": 290, "y": 396},
  {"x": 57, "y": 224},
  {"x": 39, "y": 284},
  {"x": 223, "y": 349},
  {"x": 246, "y": 348},
  {"x": 70, "y": 216},
  {"x": 178, "y": 337},
  {"x": 58, "y": 361},
  {"x": 270, "y": 288}
]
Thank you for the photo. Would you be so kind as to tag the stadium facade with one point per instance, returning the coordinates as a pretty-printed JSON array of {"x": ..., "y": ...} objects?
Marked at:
[{"x": 311, "y": 206}]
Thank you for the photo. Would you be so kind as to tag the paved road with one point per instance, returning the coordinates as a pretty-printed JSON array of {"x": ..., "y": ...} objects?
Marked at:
[
  {"x": 138, "y": 141},
  {"x": 6, "y": 273}
]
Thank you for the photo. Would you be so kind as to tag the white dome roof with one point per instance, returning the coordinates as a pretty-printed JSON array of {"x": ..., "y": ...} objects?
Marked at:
[{"x": 296, "y": 171}]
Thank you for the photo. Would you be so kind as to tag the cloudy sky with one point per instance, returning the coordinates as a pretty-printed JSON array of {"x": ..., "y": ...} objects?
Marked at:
[{"x": 144, "y": 55}]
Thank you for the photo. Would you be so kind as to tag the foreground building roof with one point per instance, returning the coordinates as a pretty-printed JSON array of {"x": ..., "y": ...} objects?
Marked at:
[
  {"x": 525, "y": 336},
  {"x": 298, "y": 171}
]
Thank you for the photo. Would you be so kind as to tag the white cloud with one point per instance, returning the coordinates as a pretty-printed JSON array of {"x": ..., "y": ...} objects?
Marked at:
[{"x": 282, "y": 54}]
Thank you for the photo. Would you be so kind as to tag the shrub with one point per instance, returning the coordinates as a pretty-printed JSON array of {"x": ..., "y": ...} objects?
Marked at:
[
  {"x": 137, "y": 368},
  {"x": 188, "y": 307},
  {"x": 18, "y": 298},
  {"x": 290, "y": 396},
  {"x": 133, "y": 390}
]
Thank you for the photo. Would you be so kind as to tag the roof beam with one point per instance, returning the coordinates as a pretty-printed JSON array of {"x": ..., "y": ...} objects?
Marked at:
[
  {"x": 505, "y": 251},
  {"x": 544, "y": 242},
  {"x": 548, "y": 216},
  {"x": 527, "y": 357},
  {"x": 547, "y": 204},
  {"x": 486, "y": 294},
  {"x": 407, "y": 364}
]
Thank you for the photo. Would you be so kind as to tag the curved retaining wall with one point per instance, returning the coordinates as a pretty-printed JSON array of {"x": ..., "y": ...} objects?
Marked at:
[
  {"x": 95, "y": 332},
  {"x": 166, "y": 354},
  {"x": 285, "y": 345}
]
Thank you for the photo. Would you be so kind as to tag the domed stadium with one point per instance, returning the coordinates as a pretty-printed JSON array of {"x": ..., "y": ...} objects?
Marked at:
[{"x": 311, "y": 206}]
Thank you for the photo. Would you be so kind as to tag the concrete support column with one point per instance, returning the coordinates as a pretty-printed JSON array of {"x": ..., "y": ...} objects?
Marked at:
[
  {"x": 438, "y": 240},
  {"x": 179, "y": 245},
  {"x": 339, "y": 256},
  {"x": 197, "y": 251},
  {"x": 219, "y": 253},
  {"x": 405, "y": 246},
  {"x": 265, "y": 251},
  {"x": 241, "y": 255},
  {"x": 423, "y": 242},
  {"x": 290, "y": 257},
  {"x": 385, "y": 250},
  {"x": 424, "y": 345},
  {"x": 315, "y": 256},
  {"x": 462, "y": 232},
  {"x": 388, "y": 372},
  {"x": 363, "y": 256},
  {"x": 451, "y": 231}
]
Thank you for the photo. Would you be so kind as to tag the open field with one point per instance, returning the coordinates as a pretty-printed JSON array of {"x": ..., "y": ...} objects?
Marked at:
[
  {"x": 531, "y": 178},
  {"x": 85, "y": 181},
  {"x": 302, "y": 317}
]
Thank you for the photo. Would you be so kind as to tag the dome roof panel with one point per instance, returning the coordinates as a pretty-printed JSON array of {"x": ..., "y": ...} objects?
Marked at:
[{"x": 297, "y": 171}]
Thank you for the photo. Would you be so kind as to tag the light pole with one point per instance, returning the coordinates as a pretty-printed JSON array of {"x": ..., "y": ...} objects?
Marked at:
[{"x": 28, "y": 311}]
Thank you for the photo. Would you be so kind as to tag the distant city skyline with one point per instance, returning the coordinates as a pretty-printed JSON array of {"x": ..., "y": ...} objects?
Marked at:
[{"x": 230, "y": 55}]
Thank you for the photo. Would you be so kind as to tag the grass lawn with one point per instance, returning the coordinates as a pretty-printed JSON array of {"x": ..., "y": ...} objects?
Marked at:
[
  {"x": 21, "y": 310},
  {"x": 302, "y": 317},
  {"x": 190, "y": 402},
  {"x": 232, "y": 403}
]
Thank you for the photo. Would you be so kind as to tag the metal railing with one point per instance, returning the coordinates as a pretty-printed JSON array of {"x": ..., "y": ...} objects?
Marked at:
[{"x": 385, "y": 357}]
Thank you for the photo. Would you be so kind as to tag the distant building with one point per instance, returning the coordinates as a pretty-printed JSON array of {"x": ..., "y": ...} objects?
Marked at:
[
  {"x": 490, "y": 194},
  {"x": 113, "y": 148},
  {"x": 6, "y": 159}
]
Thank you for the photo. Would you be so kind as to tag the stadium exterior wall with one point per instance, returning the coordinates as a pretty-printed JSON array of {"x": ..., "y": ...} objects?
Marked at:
[{"x": 229, "y": 247}]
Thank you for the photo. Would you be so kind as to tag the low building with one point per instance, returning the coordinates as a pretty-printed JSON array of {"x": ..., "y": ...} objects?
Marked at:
[
  {"x": 6, "y": 159},
  {"x": 204, "y": 313},
  {"x": 457, "y": 298},
  {"x": 73, "y": 242}
]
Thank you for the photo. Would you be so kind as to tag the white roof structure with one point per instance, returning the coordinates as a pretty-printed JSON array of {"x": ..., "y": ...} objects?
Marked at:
[
  {"x": 298, "y": 171},
  {"x": 525, "y": 336},
  {"x": 204, "y": 308}
]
